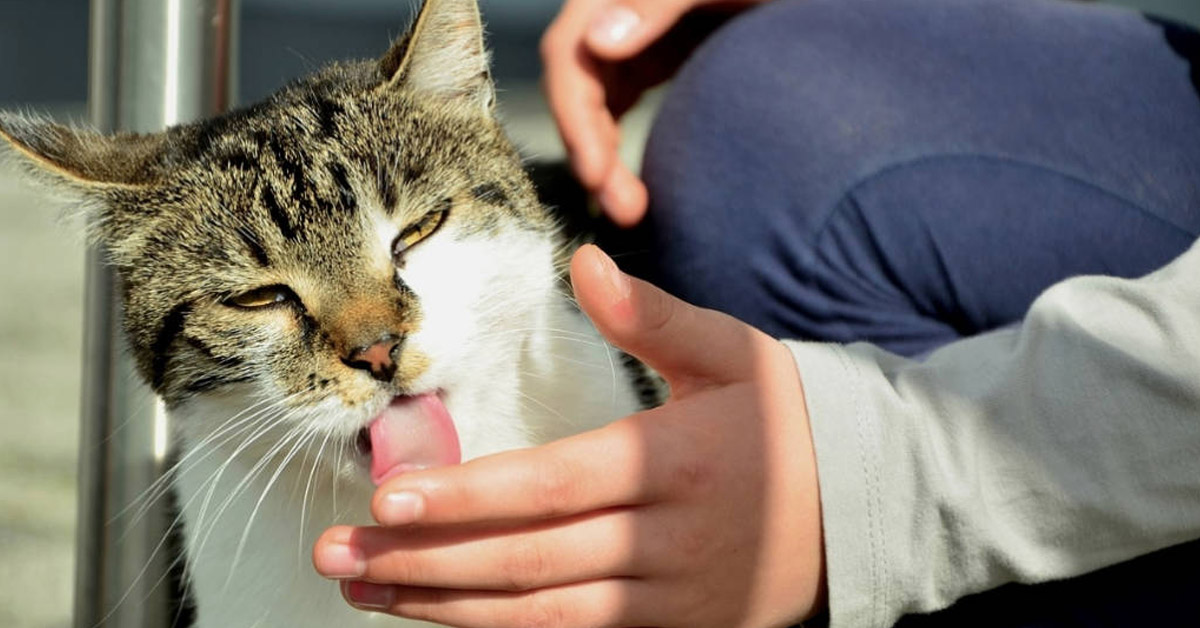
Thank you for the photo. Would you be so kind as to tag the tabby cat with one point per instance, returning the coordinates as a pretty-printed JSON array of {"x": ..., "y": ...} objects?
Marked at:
[{"x": 351, "y": 279}]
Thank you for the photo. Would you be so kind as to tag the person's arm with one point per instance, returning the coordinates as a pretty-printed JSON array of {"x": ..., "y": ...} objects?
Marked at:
[
  {"x": 1038, "y": 453},
  {"x": 1069, "y": 445}
]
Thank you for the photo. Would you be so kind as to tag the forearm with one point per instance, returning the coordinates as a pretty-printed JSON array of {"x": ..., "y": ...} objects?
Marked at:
[{"x": 1027, "y": 455}]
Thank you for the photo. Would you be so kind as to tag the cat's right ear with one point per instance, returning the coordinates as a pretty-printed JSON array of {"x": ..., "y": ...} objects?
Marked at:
[
  {"x": 77, "y": 161},
  {"x": 443, "y": 55}
]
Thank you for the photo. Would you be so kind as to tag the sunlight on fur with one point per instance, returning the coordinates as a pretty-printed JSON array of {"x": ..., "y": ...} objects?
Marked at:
[{"x": 308, "y": 280}]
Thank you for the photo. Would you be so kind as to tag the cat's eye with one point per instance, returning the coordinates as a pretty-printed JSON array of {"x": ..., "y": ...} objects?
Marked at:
[
  {"x": 418, "y": 231},
  {"x": 267, "y": 296}
]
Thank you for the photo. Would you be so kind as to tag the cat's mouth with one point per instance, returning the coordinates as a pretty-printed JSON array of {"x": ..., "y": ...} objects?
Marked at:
[{"x": 411, "y": 433}]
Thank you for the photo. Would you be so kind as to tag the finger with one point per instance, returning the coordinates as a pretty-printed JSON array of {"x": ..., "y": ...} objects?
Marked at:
[
  {"x": 612, "y": 543},
  {"x": 596, "y": 604},
  {"x": 604, "y": 468},
  {"x": 623, "y": 29},
  {"x": 691, "y": 347},
  {"x": 576, "y": 95},
  {"x": 624, "y": 197},
  {"x": 576, "y": 98}
]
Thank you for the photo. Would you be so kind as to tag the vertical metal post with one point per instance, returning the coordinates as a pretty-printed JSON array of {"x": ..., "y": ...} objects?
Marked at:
[{"x": 154, "y": 63}]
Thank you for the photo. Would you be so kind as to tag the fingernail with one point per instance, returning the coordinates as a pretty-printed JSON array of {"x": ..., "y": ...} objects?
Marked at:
[
  {"x": 618, "y": 282},
  {"x": 613, "y": 25},
  {"x": 401, "y": 508},
  {"x": 339, "y": 560},
  {"x": 369, "y": 595}
]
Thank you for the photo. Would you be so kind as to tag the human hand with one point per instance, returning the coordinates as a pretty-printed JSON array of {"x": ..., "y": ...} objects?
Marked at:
[
  {"x": 701, "y": 513},
  {"x": 599, "y": 57}
]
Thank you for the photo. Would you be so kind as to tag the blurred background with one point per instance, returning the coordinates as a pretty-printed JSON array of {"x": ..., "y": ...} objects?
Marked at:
[{"x": 43, "y": 68}]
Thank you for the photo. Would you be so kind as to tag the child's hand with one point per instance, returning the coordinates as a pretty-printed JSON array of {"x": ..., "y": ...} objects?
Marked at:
[{"x": 701, "y": 513}]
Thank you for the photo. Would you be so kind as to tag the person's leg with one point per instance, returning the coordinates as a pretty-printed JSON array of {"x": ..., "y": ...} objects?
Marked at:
[
  {"x": 911, "y": 171},
  {"x": 907, "y": 172}
]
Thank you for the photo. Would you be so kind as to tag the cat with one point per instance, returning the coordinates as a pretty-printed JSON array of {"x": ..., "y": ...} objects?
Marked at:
[{"x": 351, "y": 279}]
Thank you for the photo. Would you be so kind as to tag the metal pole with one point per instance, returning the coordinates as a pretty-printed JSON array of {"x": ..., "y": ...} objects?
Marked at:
[{"x": 154, "y": 63}]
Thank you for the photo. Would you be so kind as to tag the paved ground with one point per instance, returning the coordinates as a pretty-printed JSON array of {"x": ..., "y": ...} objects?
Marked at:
[{"x": 41, "y": 271}]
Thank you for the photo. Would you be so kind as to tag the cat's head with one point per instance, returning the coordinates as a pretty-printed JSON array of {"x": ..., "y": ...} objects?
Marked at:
[{"x": 366, "y": 233}]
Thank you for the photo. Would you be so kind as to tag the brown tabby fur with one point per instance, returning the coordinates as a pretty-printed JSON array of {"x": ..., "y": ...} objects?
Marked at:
[
  {"x": 303, "y": 198},
  {"x": 267, "y": 195}
]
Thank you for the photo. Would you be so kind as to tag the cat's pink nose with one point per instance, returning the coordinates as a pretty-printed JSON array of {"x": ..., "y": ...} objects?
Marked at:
[{"x": 379, "y": 358}]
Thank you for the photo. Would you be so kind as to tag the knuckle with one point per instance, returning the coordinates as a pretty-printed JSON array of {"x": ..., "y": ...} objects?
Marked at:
[
  {"x": 427, "y": 607},
  {"x": 698, "y": 610},
  {"x": 692, "y": 604},
  {"x": 398, "y": 568},
  {"x": 691, "y": 541},
  {"x": 706, "y": 602},
  {"x": 552, "y": 43},
  {"x": 524, "y": 568},
  {"x": 659, "y": 311},
  {"x": 554, "y": 487},
  {"x": 691, "y": 477},
  {"x": 543, "y": 611}
]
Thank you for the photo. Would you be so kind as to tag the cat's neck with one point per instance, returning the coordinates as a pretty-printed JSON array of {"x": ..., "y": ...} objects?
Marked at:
[{"x": 579, "y": 379}]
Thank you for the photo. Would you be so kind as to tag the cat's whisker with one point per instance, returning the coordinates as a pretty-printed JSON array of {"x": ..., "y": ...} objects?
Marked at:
[
  {"x": 300, "y": 438},
  {"x": 234, "y": 495},
  {"x": 337, "y": 477},
  {"x": 163, "y": 490},
  {"x": 137, "y": 579},
  {"x": 540, "y": 404},
  {"x": 266, "y": 427},
  {"x": 307, "y": 491},
  {"x": 176, "y": 521},
  {"x": 554, "y": 336},
  {"x": 562, "y": 333},
  {"x": 612, "y": 369},
  {"x": 198, "y": 453},
  {"x": 559, "y": 358},
  {"x": 245, "y": 481},
  {"x": 259, "y": 420}
]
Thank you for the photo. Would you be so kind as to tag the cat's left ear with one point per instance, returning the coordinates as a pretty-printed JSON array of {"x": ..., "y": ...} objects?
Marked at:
[
  {"x": 78, "y": 160},
  {"x": 443, "y": 55}
]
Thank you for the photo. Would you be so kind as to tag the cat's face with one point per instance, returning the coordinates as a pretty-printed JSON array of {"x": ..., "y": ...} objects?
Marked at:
[{"x": 367, "y": 234}]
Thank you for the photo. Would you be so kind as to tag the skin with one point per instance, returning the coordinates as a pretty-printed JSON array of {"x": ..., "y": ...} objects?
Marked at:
[
  {"x": 599, "y": 57},
  {"x": 704, "y": 512}
]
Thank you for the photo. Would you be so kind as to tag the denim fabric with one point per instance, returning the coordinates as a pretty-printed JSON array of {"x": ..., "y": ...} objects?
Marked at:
[
  {"x": 909, "y": 172},
  {"x": 912, "y": 171}
]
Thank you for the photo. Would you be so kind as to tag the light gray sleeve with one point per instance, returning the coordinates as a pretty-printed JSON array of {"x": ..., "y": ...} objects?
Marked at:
[{"x": 1032, "y": 454}]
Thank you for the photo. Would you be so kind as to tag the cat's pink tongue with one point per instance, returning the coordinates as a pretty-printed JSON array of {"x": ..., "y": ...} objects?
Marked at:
[{"x": 410, "y": 434}]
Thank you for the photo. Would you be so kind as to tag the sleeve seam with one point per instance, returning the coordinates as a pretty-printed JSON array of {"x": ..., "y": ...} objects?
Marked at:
[{"x": 879, "y": 567}]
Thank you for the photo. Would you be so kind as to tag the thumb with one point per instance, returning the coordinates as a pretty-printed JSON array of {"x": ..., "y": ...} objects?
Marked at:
[
  {"x": 623, "y": 29},
  {"x": 691, "y": 347}
]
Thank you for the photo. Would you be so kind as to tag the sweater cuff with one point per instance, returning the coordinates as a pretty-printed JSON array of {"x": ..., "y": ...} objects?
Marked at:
[{"x": 847, "y": 436}]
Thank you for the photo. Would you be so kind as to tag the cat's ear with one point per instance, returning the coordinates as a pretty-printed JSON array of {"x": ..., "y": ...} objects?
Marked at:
[
  {"x": 443, "y": 55},
  {"x": 78, "y": 160}
]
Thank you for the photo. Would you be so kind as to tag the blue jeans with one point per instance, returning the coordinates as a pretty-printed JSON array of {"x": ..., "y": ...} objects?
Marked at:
[{"x": 910, "y": 172}]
